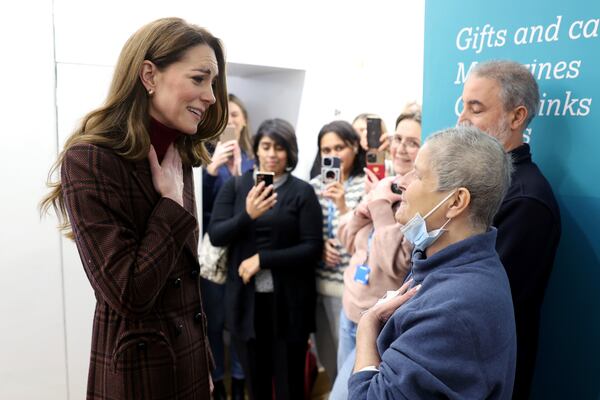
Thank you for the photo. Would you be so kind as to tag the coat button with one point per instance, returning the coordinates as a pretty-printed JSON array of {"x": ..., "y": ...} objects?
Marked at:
[
  {"x": 194, "y": 273},
  {"x": 178, "y": 328},
  {"x": 141, "y": 345},
  {"x": 198, "y": 317},
  {"x": 177, "y": 282}
]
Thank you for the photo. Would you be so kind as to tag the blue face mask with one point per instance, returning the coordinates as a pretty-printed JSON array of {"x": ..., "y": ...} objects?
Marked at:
[{"x": 415, "y": 230}]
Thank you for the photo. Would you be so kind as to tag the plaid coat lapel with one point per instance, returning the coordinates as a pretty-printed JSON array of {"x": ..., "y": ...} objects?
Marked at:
[{"x": 143, "y": 177}]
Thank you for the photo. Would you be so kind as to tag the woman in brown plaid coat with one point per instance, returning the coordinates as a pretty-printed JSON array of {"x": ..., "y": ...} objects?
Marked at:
[{"x": 126, "y": 196}]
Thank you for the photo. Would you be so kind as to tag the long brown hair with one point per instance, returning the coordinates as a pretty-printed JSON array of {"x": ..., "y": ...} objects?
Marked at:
[
  {"x": 244, "y": 140},
  {"x": 122, "y": 122}
]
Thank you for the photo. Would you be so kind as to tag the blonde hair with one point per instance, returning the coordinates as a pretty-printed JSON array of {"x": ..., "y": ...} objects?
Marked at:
[{"x": 121, "y": 124}]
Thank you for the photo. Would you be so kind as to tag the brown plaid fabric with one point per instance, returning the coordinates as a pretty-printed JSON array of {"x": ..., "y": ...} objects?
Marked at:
[{"x": 139, "y": 252}]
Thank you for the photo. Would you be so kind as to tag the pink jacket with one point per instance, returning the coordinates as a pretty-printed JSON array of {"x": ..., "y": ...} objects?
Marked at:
[{"x": 389, "y": 258}]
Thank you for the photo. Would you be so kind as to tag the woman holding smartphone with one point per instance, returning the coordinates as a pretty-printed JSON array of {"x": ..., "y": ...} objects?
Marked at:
[
  {"x": 231, "y": 156},
  {"x": 274, "y": 236},
  {"x": 337, "y": 197}
]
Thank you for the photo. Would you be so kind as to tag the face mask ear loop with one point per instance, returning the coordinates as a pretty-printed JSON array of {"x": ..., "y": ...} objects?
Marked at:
[
  {"x": 446, "y": 223},
  {"x": 440, "y": 204}
]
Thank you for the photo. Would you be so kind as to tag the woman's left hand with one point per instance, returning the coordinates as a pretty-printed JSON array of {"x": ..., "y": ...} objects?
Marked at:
[
  {"x": 249, "y": 267},
  {"x": 384, "y": 141},
  {"x": 383, "y": 190},
  {"x": 335, "y": 191}
]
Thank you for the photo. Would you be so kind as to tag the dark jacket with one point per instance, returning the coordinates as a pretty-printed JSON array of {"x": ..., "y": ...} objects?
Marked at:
[
  {"x": 529, "y": 230},
  {"x": 212, "y": 184},
  {"x": 139, "y": 252},
  {"x": 455, "y": 339},
  {"x": 293, "y": 230}
]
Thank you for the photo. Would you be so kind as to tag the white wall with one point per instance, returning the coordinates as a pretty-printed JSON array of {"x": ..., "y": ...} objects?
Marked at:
[
  {"x": 32, "y": 345},
  {"x": 355, "y": 58},
  {"x": 267, "y": 92}
]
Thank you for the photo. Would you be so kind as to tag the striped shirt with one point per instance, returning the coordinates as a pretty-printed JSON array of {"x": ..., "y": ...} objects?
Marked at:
[{"x": 330, "y": 280}]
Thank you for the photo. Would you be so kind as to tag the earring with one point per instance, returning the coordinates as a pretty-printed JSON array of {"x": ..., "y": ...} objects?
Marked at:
[{"x": 150, "y": 92}]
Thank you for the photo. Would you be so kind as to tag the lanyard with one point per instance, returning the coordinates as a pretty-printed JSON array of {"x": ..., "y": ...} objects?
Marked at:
[
  {"x": 330, "y": 211},
  {"x": 361, "y": 274},
  {"x": 369, "y": 243}
]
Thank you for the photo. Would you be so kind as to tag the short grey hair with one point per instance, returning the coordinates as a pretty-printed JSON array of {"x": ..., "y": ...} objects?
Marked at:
[
  {"x": 517, "y": 85},
  {"x": 464, "y": 156}
]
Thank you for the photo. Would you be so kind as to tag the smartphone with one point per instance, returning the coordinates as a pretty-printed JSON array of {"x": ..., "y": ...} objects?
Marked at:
[
  {"x": 266, "y": 177},
  {"x": 373, "y": 133},
  {"x": 376, "y": 163},
  {"x": 330, "y": 170},
  {"x": 228, "y": 134}
]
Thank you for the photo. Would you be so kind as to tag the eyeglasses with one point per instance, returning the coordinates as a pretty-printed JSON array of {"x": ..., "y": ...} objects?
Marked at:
[{"x": 409, "y": 143}]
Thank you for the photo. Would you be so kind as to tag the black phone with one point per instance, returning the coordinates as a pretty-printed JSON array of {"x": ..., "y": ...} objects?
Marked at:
[
  {"x": 266, "y": 177},
  {"x": 395, "y": 188},
  {"x": 330, "y": 169},
  {"x": 373, "y": 133}
]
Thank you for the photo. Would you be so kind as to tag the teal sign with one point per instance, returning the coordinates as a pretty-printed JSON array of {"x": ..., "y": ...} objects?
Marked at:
[{"x": 559, "y": 43}]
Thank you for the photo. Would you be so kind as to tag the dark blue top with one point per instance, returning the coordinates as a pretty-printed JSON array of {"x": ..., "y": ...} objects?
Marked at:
[
  {"x": 456, "y": 338},
  {"x": 212, "y": 184}
]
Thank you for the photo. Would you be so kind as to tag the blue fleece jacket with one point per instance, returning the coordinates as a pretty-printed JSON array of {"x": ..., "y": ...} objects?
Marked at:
[{"x": 456, "y": 338}]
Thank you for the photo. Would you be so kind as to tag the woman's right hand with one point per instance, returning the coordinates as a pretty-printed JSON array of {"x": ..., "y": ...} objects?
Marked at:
[
  {"x": 167, "y": 177},
  {"x": 362, "y": 208},
  {"x": 331, "y": 254},
  {"x": 223, "y": 153},
  {"x": 259, "y": 200}
]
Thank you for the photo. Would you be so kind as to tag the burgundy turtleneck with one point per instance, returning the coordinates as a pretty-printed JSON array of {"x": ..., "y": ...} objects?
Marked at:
[{"x": 161, "y": 137}]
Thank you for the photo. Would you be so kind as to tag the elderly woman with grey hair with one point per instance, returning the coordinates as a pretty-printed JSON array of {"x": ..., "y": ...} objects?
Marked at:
[{"x": 449, "y": 331}]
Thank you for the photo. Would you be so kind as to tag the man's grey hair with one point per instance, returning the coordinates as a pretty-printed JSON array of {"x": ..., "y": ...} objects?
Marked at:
[
  {"x": 465, "y": 156},
  {"x": 517, "y": 85}
]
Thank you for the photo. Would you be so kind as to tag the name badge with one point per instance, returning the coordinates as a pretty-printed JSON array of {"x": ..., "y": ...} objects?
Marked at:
[{"x": 362, "y": 274}]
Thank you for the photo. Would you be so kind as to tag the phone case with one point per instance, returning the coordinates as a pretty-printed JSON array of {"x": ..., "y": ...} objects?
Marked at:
[
  {"x": 378, "y": 170},
  {"x": 376, "y": 163},
  {"x": 267, "y": 177},
  {"x": 227, "y": 135},
  {"x": 373, "y": 132}
]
